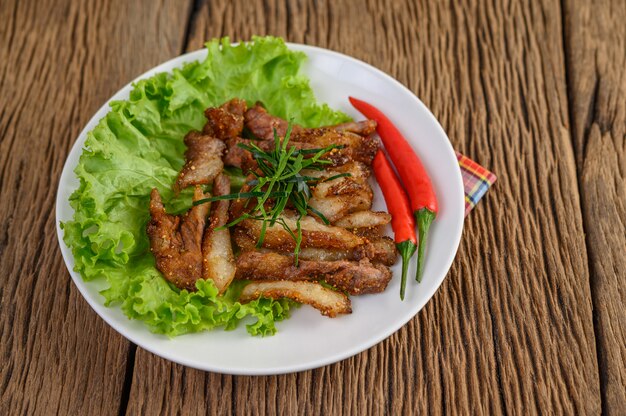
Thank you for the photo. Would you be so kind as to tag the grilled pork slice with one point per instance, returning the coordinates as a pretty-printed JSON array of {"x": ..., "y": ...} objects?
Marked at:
[
  {"x": 262, "y": 125},
  {"x": 240, "y": 206},
  {"x": 237, "y": 157},
  {"x": 365, "y": 223},
  {"x": 219, "y": 262},
  {"x": 225, "y": 121},
  {"x": 337, "y": 197},
  {"x": 203, "y": 160},
  {"x": 362, "y": 128},
  {"x": 329, "y": 302},
  {"x": 355, "y": 147},
  {"x": 314, "y": 234},
  {"x": 353, "y": 277},
  {"x": 176, "y": 242},
  {"x": 378, "y": 250},
  {"x": 241, "y": 158}
]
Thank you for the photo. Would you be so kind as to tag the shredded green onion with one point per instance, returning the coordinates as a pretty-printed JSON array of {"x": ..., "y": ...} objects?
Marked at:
[{"x": 280, "y": 180}]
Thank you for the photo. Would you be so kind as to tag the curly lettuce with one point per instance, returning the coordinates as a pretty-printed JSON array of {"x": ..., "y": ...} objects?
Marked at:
[{"x": 138, "y": 146}]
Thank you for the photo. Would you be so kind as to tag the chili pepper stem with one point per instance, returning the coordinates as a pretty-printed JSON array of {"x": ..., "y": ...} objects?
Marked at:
[
  {"x": 423, "y": 217},
  {"x": 407, "y": 249}
]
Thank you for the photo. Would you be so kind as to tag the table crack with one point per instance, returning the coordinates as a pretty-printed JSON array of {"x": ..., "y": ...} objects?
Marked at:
[
  {"x": 579, "y": 168},
  {"x": 128, "y": 379},
  {"x": 195, "y": 7}
]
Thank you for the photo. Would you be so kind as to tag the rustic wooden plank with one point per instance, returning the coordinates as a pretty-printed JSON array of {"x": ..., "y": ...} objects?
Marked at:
[
  {"x": 511, "y": 327},
  {"x": 59, "y": 61},
  {"x": 596, "y": 56},
  {"x": 387, "y": 379}
]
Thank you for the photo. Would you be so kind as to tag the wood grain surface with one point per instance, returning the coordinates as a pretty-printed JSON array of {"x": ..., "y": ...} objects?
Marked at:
[
  {"x": 59, "y": 62},
  {"x": 530, "y": 318},
  {"x": 596, "y": 58}
]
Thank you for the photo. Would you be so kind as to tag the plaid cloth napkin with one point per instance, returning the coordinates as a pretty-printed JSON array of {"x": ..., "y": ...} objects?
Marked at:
[{"x": 476, "y": 181}]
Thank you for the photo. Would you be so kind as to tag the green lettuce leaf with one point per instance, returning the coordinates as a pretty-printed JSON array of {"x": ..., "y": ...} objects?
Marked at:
[{"x": 138, "y": 146}]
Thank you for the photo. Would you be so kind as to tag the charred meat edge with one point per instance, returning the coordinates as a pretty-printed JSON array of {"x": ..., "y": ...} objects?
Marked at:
[{"x": 329, "y": 302}]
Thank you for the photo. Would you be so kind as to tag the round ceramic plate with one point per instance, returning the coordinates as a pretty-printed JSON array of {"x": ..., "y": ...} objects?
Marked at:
[{"x": 309, "y": 340}]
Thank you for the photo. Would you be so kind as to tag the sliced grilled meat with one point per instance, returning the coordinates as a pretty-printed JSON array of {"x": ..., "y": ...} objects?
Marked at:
[
  {"x": 362, "y": 128},
  {"x": 237, "y": 157},
  {"x": 353, "y": 277},
  {"x": 329, "y": 302},
  {"x": 337, "y": 197},
  {"x": 203, "y": 160},
  {"x": 225, "y": 121},
  {"x": 378, "y": 250},
  {"x": 356, "y": 147},
  {"x": 365, "y": 223},
  {"x": 314, "y": 234},
  {"x": 176, "y": 241},
  {"x": 217, "y": 250},
  {"x": 262, "y": 124}
]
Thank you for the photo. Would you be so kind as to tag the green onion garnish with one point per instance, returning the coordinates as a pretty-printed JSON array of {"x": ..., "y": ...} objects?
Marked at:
[{"x": 279, "y": 179}]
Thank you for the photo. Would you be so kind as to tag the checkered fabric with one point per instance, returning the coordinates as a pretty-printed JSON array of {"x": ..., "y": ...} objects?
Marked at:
[{"x": 476, "y": 181}]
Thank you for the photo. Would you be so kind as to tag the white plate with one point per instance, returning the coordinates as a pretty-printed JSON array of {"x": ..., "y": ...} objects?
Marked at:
[{"x": 308, "y": 340}]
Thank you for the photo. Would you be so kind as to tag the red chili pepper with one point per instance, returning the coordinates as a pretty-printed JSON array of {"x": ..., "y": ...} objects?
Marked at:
[
  {"x": 398, "y": 205},
  {"x": 411, "y": 172}
]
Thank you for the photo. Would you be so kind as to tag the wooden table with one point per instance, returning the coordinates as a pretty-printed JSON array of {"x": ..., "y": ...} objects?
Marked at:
[{"x": 531, "y": 316}]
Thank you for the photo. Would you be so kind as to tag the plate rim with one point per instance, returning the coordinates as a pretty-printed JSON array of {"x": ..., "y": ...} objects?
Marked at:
[{"x": 128, "y": 333}]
